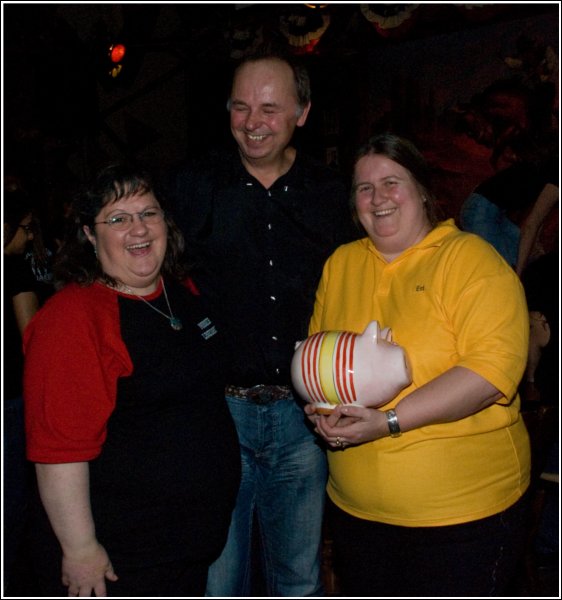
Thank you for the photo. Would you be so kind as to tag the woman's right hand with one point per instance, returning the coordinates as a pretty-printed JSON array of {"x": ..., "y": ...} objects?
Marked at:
[
  {"x": 65, "y": 493},
  {"x": 310, "y": 412},
  {"x": 85, "y": 572}
]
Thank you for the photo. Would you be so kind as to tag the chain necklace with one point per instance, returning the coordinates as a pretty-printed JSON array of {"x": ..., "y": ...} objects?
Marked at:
[{"x": 175, "y": 323}]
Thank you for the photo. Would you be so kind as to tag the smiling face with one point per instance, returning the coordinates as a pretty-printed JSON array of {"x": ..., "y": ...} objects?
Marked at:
[
  {"x": 389, "y": 205},
  {"x": 133, "y": 256},
  {"x": 264, "y": 110}
]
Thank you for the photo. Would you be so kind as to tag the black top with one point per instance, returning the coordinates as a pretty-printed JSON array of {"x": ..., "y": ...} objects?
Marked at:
[
  {"x": 172, "y": 435},
  {"x": 259, "y": 252},
  {"x": 18, "y": 279}
]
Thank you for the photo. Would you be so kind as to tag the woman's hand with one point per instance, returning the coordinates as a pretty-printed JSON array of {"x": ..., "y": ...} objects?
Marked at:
[
  {"x": 85, "y": 572},
  {"x": 350, "y": 425},
  {"x": 65, "y": 492},
  {"x": 310, "y": 412},
  {"x": 453, "y": 395}
]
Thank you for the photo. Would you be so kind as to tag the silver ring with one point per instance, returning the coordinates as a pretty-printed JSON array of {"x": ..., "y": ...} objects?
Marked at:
[{"x": 338, "y": 442}]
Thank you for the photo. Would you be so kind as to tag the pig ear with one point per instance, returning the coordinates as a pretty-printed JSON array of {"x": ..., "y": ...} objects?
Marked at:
[
  {"x": 373, "y": 330},
  {"x": 386, "y": 334}
]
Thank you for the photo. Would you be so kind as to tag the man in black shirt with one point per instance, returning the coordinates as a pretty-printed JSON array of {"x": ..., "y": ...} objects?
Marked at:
[{"x": 259, "y": 223}]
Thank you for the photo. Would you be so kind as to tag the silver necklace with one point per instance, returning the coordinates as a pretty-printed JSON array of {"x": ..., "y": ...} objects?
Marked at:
[{"x": 175, "y": 323}]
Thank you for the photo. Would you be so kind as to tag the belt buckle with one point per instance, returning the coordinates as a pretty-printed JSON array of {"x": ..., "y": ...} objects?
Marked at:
[{"x": 259, "y": 394}]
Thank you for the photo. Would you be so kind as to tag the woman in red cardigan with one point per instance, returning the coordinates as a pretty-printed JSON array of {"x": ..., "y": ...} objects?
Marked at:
[{"x": 134, "y": 447}]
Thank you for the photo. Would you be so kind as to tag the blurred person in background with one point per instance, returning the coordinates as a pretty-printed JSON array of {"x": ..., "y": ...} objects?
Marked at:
[{"x": 20, "y": 303}]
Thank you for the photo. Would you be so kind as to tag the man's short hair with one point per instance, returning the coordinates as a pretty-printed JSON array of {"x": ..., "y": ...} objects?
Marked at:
[{"x": 300, "y": 74}]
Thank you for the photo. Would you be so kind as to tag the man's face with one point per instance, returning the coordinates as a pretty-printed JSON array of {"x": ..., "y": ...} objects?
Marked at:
[{"x": 264, "y": 110}]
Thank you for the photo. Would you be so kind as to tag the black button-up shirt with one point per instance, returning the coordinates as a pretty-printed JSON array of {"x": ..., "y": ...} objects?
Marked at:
[{"x": 258, "y": 253}]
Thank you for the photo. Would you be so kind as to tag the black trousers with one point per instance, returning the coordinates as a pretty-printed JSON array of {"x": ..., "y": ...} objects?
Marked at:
[
  {"x": 176, "y": 580},
  {"x": 39, "y": 568},
  {"x": 478, "y": 558}
]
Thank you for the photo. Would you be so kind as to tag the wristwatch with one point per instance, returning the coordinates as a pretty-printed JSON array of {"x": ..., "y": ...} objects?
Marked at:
[{"x": 393, "y": 425}]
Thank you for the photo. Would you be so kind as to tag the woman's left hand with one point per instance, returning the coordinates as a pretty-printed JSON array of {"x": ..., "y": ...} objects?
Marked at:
[{"x": 351, "y": 425}]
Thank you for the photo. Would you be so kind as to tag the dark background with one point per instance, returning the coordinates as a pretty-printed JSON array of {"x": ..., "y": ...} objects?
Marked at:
[{"x": 415, "y": 69}]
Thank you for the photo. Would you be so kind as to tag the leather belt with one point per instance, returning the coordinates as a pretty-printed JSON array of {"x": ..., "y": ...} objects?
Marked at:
[{"x": 259, "y": 394}]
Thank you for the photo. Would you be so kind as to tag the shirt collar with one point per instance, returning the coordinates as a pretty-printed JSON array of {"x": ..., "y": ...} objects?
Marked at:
[
  {"x": 435, "y": 238},
  {"x": 237, "y": 172}
]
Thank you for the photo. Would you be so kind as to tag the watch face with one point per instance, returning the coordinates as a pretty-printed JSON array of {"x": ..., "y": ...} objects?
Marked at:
[{"x": 393, "y": 425}]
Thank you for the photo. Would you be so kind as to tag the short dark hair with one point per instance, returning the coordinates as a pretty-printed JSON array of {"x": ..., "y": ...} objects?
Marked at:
[
  {"x": 405, "y": 153},
  {"x": 76, "y": 260},
  {"x": 300, "y": 73}
]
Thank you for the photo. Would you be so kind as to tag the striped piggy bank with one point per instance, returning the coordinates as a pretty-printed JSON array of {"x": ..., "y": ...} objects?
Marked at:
[{"x": 340, "y": 367}]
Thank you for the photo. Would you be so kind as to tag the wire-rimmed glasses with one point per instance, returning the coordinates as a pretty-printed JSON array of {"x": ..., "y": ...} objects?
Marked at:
[{"x": 123, "y": 221}]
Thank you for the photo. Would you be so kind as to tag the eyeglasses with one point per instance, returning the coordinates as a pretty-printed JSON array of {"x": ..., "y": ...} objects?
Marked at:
[
  {"x": 27, "y": 228},
  {"x": 123, "y": 221}
]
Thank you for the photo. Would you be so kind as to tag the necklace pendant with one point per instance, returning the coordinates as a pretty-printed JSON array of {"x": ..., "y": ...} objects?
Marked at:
[{"x": 176, "y": 324}]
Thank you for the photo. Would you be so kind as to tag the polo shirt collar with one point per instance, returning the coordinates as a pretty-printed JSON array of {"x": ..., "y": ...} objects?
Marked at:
[{"x": 434, "y": 238}]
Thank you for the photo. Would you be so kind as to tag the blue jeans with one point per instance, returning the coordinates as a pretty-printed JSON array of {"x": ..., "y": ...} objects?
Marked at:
[
  {"x": 479, "y": 215},
  {"x": 284, "y": 475}
]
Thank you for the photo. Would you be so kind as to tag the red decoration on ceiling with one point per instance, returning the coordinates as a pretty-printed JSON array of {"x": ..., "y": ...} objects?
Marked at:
[
  {"x": 303, "y": 31},
  {"x": 390, "y": 20}
]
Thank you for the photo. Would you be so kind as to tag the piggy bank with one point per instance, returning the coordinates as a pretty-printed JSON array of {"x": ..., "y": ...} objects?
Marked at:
[{"x": 340, "y": 367}]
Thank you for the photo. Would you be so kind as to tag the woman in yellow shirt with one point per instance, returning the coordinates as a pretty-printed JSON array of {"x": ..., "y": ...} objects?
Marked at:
[{"x": 427, "y": 493}]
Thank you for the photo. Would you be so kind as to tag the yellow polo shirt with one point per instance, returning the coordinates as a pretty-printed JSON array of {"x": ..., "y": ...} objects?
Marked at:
[{"x": 451, "y": 300}]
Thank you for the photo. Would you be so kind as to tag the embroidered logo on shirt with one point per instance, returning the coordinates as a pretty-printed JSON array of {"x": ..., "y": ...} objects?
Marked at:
[
  {"x": 207, "y": 327},
  {"x": 420, "y": 288}
]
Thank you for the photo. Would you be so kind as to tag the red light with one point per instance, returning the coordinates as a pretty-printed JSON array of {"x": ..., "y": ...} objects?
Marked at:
[{"x": 117, "y": 52}]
